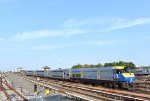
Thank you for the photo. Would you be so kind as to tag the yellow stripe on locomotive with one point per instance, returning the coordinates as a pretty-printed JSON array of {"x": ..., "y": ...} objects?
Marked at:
[
  {"x": 128, "y": 74},
  {"x": 118, "y": 67}
]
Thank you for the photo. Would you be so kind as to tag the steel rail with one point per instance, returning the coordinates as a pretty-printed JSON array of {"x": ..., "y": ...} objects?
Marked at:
[
  {"x": 83, "y": 86},
  {"x": 71, "y": 92},
  {"x": 103, "y": 92},
  {"x": 6, "y": 94},
  {"x": 10, "y": 87}
]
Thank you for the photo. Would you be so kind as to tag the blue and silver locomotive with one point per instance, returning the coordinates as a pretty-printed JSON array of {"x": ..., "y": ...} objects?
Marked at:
[{"x": 117, "y": 76}]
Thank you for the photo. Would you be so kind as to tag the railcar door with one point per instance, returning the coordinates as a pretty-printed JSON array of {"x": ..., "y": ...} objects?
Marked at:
[
  {"x": 81, "y": 73},
  {"x": 115, "y": 75},
  {"x": 98, "y": 75}
]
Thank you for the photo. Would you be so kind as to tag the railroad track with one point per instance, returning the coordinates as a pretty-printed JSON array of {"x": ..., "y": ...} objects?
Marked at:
[
  {"x": 143, "y": 84},
  {"x": 6, "y": 94},
  {"x": 139, "y": 88},
  {"x": 79, "y": 86},
  {"x": 94, "y": 93},
  {"x": 143, "y": 78},
  {"x": 69, "y": 91},
  {"x": 10, "y": 93}
]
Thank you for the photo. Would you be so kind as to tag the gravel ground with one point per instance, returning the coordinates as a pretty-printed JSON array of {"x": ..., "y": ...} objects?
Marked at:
[
  {"x": 26, "y": 89},
  {"x": 2, "y": 96}
]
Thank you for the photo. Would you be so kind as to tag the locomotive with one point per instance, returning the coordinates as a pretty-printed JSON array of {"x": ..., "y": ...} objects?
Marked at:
[{"x": 116, "y": 76}]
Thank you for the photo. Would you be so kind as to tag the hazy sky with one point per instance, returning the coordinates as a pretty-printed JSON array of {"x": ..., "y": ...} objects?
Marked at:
[{"x": 62, "y": 33}]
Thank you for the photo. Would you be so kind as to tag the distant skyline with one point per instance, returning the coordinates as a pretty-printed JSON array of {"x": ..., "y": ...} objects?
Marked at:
[{"x": 63, "y": 33}]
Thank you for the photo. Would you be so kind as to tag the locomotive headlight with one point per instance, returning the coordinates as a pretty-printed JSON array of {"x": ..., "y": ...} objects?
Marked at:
[{"x": 131, "y": 79}]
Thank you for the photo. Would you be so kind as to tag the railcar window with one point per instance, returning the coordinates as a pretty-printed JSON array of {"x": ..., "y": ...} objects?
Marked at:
[
  {"x": 79, "y": 75},
  {"x": 76, "y": 75},
  {"x": 57, "y": 71},
  {"x": 90, "y": 71},
  {"x": 73, "y": 75},
  {"x": 40, "y": 71}
]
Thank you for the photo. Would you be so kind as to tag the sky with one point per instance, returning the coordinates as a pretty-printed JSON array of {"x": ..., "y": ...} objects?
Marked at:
[{"x": 63, "y": 33}]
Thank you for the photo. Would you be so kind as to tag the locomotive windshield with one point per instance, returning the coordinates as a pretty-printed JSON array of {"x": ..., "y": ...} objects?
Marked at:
[{"x": 122, "y": 71}]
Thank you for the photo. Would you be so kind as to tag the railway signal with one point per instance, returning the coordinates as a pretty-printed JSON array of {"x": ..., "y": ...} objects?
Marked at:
[{"x": 35, "y": 87}]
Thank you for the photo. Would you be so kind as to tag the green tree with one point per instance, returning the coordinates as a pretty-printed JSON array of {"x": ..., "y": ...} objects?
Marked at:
[
  {"x": 92, "y": 66},
  {"x": 77, "y": 66},
  {"x": 87, "y": 66},
  {"x": 99, "y": 65},
  {"x": 109, "y": 64},
  {"x": 129, "y": 65}
]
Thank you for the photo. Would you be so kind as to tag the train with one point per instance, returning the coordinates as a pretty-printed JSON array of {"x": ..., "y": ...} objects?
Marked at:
[
  {"x": 114, "y": 77},
  {"x": 141, "y": 72}
]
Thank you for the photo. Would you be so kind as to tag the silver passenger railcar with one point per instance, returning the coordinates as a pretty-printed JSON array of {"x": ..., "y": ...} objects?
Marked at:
[
  {"x": 39, "y": 73},
  {"x": 60, "y": 74},
  {"x": 30, "y": 73},
  {"x": 140, "y": 72}
]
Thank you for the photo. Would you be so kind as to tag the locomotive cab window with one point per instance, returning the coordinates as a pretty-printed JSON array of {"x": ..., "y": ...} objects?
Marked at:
[{"x": 119, "y": 71}]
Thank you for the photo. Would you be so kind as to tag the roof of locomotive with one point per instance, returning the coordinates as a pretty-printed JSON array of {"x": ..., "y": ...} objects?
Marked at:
[{"x": 92, "y": 69}]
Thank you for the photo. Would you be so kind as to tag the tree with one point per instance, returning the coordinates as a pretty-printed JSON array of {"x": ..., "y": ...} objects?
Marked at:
[
  {"x": 109, "y": 64},
  {"x": 99, "y": 65},
  {"x": 77, "y": 66},
  {"x": 129, "y": 65},
  {"x": 92, "y": 66},
  {"x": 87, "y": 66}
]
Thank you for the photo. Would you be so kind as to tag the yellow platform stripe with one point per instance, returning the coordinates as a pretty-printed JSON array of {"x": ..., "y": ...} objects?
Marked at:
[{"x": 47, "y": 91}]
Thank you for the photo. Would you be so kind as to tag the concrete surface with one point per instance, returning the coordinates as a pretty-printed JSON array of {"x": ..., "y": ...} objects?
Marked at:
[{"x": 26, "y": 88}]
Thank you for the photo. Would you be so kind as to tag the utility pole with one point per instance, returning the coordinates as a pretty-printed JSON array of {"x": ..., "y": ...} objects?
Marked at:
[{"x": 0, "y": 79}]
